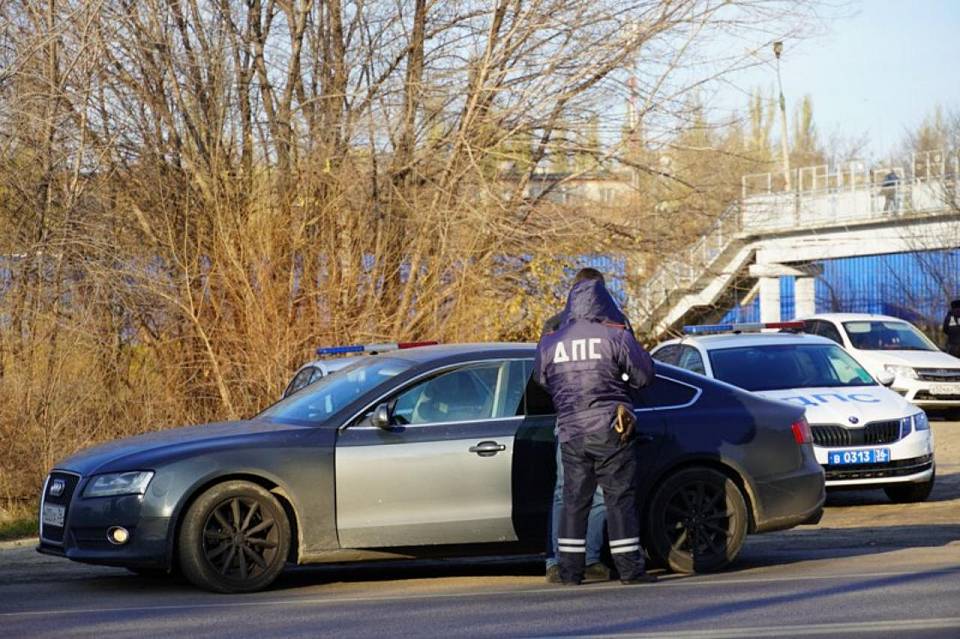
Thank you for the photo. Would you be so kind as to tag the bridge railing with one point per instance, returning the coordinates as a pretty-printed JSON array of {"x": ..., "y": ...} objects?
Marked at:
[{"x": 848, "y": 195}]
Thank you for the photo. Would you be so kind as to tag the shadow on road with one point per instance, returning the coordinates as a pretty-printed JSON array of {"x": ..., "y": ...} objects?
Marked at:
[
  {"x": 774, "y": 549},
  {"x": 809, "y": 543}
]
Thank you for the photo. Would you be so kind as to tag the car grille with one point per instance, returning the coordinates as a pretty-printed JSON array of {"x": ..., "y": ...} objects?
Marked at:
[
  {"x": 939, "y": 374},
  {"x": 897, "y": 468},
  {"x": 923, "y": 395},
  {"x": 833, "y": 436},
  {"x": 55, "y": 533}
]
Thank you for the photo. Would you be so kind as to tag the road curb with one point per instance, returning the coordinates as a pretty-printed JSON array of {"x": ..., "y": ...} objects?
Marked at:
[{"x": 19, "y": 543}]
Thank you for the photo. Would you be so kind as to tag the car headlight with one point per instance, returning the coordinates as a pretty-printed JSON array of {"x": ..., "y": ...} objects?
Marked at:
[
  {"x": 921, "y": 422},
  {"x": 130, "y": 483},
  {"x": 906, "y": 425},
  {"x": 901, "y": 371}
]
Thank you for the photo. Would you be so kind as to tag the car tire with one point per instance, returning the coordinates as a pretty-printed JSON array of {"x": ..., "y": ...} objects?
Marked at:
[
  {"x": 235, "y": 537},
  {"x": 912, "y": 492},
  {"x": 697, "y": 521}
]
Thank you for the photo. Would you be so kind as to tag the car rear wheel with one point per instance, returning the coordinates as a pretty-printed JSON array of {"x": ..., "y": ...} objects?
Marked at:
[
  {"x": 913, "y": 492},
  {"x": 697, "y": 521},
  {"x": 235, "y": 538}
]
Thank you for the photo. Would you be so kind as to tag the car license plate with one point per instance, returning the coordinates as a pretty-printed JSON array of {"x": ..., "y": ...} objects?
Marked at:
[
  {"x": 53, "y": 515},
  {"x": 868, "y": 456},
  {"x": 945, "y": 389}
]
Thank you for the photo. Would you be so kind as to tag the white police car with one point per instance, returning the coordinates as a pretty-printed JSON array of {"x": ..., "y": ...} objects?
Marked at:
[
  {"x": 865, "y": 435},
  {"x": 923, "y": 373},
  {"x": 320, "y": 368}
]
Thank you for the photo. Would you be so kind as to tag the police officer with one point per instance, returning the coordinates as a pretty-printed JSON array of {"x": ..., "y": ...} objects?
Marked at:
[
  {"x": 951, "y": 328},
  {"x": 597, "y": 515},
  {"x": 589, "y": 367}
]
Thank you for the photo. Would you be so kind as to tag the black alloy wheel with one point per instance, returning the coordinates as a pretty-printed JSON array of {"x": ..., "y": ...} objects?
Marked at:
[
  {"x": 235, "y": 538},
  {"x": 697, "y": 521}
]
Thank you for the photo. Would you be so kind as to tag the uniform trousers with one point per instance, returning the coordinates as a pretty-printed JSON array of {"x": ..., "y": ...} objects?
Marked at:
[{"x": 600, "y": 458}]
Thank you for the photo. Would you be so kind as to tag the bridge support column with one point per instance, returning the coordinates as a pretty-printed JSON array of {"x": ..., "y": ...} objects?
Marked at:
[
  {"x": 804, "y": 291},
  {"x": 769, "y": 299}
]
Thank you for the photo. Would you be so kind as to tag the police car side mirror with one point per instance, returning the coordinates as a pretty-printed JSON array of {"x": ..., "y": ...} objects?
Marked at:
[
  {"x": 381, "y": 416},
  {"x": 886, "y": 378}
]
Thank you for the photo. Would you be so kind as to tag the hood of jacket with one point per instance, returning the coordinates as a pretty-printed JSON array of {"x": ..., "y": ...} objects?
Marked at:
[{"x": 590, "y": 300}]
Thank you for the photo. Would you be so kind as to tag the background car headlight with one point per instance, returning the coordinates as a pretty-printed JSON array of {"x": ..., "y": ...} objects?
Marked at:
[
  {"x": 901, "y": 371},
  {"x": 131, "y": 483},
  {"x": 921, "y": 422}
]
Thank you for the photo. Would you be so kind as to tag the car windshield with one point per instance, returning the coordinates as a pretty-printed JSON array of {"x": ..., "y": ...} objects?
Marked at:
[
  {"x": 316, "y": 402},
  {"x": 782, "y": 366},
  {"x": 876, "y": 335}
]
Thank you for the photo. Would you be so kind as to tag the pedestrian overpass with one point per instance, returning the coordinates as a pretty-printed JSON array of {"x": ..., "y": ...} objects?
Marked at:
[{"x": 768, "y": 235}]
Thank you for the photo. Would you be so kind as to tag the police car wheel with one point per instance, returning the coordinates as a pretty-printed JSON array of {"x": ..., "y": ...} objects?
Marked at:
[
  {"x": 908, "y": 493},
  {"x": 697, "y": 521},
  {"x": 234, "y": 538}
]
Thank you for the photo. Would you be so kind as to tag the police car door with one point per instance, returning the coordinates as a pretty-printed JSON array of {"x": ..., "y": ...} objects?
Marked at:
[{"x": 441, "y": 473}]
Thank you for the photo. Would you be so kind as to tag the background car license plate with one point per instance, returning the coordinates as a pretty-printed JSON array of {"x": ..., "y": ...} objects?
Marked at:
[
  {"x": 868, "y": 456},
  {"x": 945, "y": 389},
  {"x": 53, "y": 515}
]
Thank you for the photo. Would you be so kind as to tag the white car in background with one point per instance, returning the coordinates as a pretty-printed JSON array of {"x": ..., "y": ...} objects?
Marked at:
[
  {"x": 865, "y": 435},
  {"x": 923, "y": 374}
]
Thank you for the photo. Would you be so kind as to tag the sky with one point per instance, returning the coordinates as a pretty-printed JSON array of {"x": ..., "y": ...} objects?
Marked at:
[{"x": 877, "y": 71}]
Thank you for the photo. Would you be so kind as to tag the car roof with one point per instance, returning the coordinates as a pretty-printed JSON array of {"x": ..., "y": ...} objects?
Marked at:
[
  {"x": 730, "y": 340},
  {"x": 854, "y": 317},
  {"x": 422, "y": 354}
]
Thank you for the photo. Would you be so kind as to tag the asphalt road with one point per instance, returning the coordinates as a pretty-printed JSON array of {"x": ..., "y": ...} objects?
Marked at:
[{"x": 870, "y": 569}]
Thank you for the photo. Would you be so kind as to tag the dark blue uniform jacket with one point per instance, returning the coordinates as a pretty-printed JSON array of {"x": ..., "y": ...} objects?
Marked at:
[{"x": 591, "y": 362}]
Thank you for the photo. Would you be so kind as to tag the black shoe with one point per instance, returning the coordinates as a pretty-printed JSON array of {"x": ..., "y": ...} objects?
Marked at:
[
  {"x": 642, "y": 578},
  {"x": 596, "y": 572},
  {"x": 553, "y": 574}
]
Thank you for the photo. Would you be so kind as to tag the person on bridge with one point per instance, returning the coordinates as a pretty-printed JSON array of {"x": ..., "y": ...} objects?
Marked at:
[
  {"x": 889, "y": 188},
  {"x": 589, "y": 367},
  {"x": 951, "y": 328}
]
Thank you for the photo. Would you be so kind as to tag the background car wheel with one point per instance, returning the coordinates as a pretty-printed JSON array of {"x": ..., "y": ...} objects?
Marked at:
[
  {"x": 234, "y": 538},
  {"x": 697, "y": 521},
  {"x": 906, "y": 493}
]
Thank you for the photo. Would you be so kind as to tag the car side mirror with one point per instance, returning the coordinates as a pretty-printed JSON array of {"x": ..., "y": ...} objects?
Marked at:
[
  {"x": 381, "y": 416},
  {"x": 886, "y": 378}
]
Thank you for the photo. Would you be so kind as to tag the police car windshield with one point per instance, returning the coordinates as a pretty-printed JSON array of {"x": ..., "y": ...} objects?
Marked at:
[
  {"x": 782, "y": 366},
  {"x": 323, "y": 398},
  {"x": 887, "y": 336}
]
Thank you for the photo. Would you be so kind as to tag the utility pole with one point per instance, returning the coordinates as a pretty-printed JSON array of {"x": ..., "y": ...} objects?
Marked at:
[{"x": 784, "y": 147}]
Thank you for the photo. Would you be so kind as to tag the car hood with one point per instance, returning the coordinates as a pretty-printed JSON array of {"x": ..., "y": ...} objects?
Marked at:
[
  {"x": 848, "y": 406},
  {"x": 139, "y": 452},
  {"x": 920, "y": 359}
]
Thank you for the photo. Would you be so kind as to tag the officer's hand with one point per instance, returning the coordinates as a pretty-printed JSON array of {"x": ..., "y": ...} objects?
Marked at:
[{"x": 626, "y": 423}]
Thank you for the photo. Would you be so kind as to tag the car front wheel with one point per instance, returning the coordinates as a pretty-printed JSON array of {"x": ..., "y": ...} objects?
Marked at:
[
  {"x": 908, "y": 493},
  {"x": 697, "y": 521},
  {"x": 235, "y": 538}
]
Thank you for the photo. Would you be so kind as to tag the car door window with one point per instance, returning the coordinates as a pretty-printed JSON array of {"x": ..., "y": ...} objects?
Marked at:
[
  {"x": 828, "y": 330},
  {"x": 691, "y": 360},
  {"x": 300, "y": 380},
  {"x": 665, "y": 393},
  {"x": 667, "y": 354},
  {"x": 477, "y": 392}
]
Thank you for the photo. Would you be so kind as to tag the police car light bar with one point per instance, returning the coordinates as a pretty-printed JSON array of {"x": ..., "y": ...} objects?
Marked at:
[
  {"x": 754, "y": 327},
  {"x": 370, "y": 348}
]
